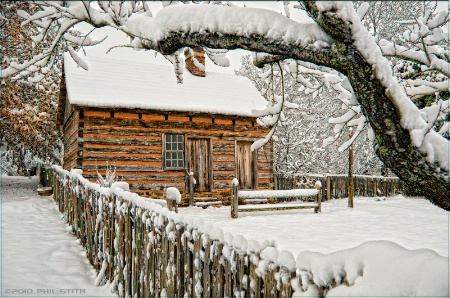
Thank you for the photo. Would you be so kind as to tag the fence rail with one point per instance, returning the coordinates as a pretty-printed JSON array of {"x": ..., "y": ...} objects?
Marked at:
[
  {"x": 336, "y": 186},
  {"x": 145, "y": 250}
]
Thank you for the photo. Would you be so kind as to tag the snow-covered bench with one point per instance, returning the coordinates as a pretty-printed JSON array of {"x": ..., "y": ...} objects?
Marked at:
[{"x": 262, "y": 196}]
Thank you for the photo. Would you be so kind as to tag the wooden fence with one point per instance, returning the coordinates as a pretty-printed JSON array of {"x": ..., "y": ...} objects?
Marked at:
[
  {"x": 145, "y": 250},
  {"x": 335, "y": 186}
]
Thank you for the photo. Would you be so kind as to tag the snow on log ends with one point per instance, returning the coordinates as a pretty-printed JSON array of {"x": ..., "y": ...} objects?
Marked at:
[{"x": 377, "y": 267}]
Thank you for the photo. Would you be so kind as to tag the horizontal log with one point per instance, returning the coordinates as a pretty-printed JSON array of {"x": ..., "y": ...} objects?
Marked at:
[
  {"x": 71, "y": 147},
  {"x": 101, "y": 165},
  {"x": 151, "y": 178},
  {"x": 140, "y": 174},
  {"x": 264, "y": 177},
  {"x": 123, "y": 163},
  {"x": 70, "y": 130},
  {"x": 264, "y": 171},
  {"x": 246, "y": 123},
  {"x": 264, "y": 180},
  {"x": 222, "y": 185},
  {"x": 224, "y": 156},
  {"x": 73, "y": 118},
  {"x": 146, "y": 182},
  {"x": 120, "y": 141},
  {"x": 121, "y": 154},
  {"x": 153, "y": 117},
  {"x": 173, "y": 118},
  {"x": 202, "y": 120},
  {"x": 122, "y": 150},
  {"x": 69, "y": 164},
  {"x": 227, "y": 185},
  {"x": 224, "y": 177},
  {"x": 103, "y": 114},
  {"x": 223, "y": 121},
  {"x": 219, "y": 142},
  {"x": 225, "y": 172},
  {"x": 115, "y": 134},
  {"x": 126, "y": 116},
  {"x": 70, "y": 143},
  {"x": 156, "y": 186},
  {"x": 71, "y": 154},
  {"x": 70, "y": 161},
  {"x": 121, "y": 146},
  {"x": 274, "y": 207},
  {"x": 224, "y": 167},
  {"x": 165, "y": 126},
  {"x": 124, "y": 158},
  {"x": 174, "y": 113},
  {"x": 221, "y": 160},
  {"x": 155, "y": 180}
]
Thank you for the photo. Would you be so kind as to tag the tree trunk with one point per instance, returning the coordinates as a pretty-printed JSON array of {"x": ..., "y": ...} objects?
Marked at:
[
  {"x": 350, "y": 177},
  {"x": 395, "y": 148}
]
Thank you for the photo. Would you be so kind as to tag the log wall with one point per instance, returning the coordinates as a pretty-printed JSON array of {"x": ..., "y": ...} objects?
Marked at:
[
  {"x": 131, "y": 140},
  {"x": 71, "y": 145}
]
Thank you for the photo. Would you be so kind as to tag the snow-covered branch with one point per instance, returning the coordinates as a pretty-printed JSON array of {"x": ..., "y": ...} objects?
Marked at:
[{"x": 336, "y": 39}]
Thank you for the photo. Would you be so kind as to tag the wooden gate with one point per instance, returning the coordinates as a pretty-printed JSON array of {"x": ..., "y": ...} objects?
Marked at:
[
  {"x": 246, "y": 165},
  {"x": 200, "y": 163}
]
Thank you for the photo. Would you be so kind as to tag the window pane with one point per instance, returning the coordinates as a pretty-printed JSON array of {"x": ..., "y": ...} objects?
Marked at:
[{"x": 174, "y": 155}]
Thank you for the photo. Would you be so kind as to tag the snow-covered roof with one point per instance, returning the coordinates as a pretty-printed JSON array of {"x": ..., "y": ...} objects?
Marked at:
[{"x": 117, "y": 83}]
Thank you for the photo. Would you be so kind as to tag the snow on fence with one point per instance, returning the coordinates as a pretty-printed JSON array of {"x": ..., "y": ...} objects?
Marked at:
[
  {"x": 145, "y": 250},
  {"x": 240, "y": 197},
  {"x": 335, "y": 186}
]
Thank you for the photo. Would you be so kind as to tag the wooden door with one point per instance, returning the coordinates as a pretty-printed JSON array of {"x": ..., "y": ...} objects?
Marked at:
[
  {"x": 199, "y": 162},
  {"x": 246, "y": 165}
]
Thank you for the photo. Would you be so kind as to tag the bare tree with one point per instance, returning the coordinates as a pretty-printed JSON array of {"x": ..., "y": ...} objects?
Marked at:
[{"x": 298, "y": 138}]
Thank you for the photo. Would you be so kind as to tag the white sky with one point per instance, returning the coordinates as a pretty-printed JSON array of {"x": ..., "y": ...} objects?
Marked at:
[{"x": 116, "y": 37}]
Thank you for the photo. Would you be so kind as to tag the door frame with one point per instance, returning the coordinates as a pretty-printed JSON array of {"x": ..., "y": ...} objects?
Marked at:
[
  {"x": 255, "y": 162},
  {"x": 188, "y": 138}
]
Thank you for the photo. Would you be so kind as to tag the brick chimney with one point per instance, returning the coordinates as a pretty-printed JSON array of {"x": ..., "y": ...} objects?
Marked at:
[{"x": 197, "y": 68}]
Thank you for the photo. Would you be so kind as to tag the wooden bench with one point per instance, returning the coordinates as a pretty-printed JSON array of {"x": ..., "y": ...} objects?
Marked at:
[{"x": 261, "y": 196}]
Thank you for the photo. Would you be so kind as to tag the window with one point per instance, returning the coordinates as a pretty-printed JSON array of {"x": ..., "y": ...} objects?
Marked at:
[{"x": 174, "y": 152}]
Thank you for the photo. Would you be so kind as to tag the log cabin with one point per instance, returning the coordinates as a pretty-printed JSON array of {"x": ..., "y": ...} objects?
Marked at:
[{"x": 154, "y": 131}]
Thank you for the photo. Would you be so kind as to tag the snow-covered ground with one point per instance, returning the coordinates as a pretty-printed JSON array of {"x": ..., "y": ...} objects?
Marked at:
[
  {"x": 40, "y": 257},
  {"x": 410, "y": 222}
]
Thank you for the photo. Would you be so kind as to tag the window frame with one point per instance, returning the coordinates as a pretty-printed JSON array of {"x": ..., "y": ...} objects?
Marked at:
[{"x": 165, "y": 150}]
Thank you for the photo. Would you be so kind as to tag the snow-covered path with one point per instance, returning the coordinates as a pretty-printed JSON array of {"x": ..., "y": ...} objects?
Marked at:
[{"x": 40, "y": 257}]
